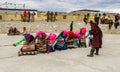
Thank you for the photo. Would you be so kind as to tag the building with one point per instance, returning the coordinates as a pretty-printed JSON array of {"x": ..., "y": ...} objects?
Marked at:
[
  {"x": 12, "y": 14},
  {"x": 16, "y": 14}
]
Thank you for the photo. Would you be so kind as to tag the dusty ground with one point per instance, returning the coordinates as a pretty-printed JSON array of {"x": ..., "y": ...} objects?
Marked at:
[{"x": 71, "y": 60}]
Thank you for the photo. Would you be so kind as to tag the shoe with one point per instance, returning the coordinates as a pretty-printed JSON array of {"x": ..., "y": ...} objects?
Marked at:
[
  {"x": 90, "y": 55},
  {"x": 96, "y": 54}
]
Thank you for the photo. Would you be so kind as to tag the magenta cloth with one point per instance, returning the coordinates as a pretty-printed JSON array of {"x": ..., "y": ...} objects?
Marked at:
[
  {"x": 83, "y": 30},
  {"x": 77, "y": 34},
  {"x": 38, "y": 33},
  {"x": 52, "y": 36},
  {"x": 65, "y": 32}
]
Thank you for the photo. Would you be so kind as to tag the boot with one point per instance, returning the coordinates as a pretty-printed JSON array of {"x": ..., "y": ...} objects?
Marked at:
[
  {"x": 97, "y": 51},
  {"x": 91, "y": 53}
]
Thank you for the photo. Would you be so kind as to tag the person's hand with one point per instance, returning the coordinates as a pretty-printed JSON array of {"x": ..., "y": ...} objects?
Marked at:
[{"x": 14, "y": 44}]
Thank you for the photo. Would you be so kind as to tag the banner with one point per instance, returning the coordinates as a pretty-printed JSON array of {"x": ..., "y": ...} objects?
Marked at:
[{"x": 8, "y": 3}]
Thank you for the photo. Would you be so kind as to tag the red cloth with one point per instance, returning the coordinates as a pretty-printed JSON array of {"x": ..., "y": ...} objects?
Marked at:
[
  {"x": 97, "y": 36},
  {"x": 26, "y": 13},
  {"x": 70, "y": 34}
]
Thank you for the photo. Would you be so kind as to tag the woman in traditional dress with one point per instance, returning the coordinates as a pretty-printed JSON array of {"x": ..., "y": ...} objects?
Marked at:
[
  {"x": 60, "y": 43},
  {"x": 97, "y": 39},
  {"x": 28, "y": 44}
]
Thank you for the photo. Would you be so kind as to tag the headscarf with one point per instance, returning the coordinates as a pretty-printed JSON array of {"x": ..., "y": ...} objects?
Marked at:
[
  {"x": 64, "y": 33},
  {"x": 38, "y": 33},
  {"x": 71, "y": 34},
  {"x": 29, "y": 37},
  {"x": 95, "y": 27}
]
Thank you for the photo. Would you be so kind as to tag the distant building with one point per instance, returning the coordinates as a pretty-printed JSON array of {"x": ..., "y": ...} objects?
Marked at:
[
  {"x": 12, "y": 14},
  {"x": 16, "y": 14}
]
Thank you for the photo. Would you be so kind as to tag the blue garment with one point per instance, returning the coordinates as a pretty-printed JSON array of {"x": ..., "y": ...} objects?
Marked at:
[
  {"x": 75, "y": 43},
  {"x": 88, "y": 34},
  {"x": 60, "y": 44}
]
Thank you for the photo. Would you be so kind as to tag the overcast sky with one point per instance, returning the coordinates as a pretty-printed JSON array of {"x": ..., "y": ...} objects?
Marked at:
[{"x": 65, "y": 5}]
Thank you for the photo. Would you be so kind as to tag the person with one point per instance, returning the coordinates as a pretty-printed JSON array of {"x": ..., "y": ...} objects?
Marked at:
[
  {"x": 40, "y": 41},
  {"x": 51, "y": 16},
  {"x": 71, "y": 26},
  {"x": 28, "y": 43},
  {"x": 85, "y": 19},
  {"x": 48, "y": 16},
  {"x": 82, "y": 40},
  {"x": 11, "y": 31},
  {"x": 97, "y": 39},
  {"x": 24, "y": 30},
  {"x": 50, "y": 39},
  {"x": 96, "y": 19},
  {"x": 60, "y": 43},
  {"x": 116, "y": 24},
  {"x": 76, "y": 39},
  {"x": 16, "y": 32},
  {"x": 56, "y": 14}
]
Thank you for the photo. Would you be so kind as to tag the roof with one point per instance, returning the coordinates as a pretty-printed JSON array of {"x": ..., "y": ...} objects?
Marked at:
[{"x": 86, "y": 10}]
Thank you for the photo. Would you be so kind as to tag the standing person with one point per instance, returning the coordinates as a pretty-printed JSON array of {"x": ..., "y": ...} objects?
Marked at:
[
  {"x": 48, "y": 16},
  {"x": 28, "y": 16},
  {"x": 85, "y": 19},
  {"x": 97, "y": 39},
  {"x": 51, "y": 16},
  {"x": 116, "y": 24},
  {"x": 56, "y": 14},
  {"x": 96, "y": 19},
  {"x": 71, "y": 26}
]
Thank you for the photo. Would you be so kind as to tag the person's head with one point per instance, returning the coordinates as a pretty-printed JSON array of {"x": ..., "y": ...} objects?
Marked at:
[
  {"x": 91, "y": 22},
  {"x": 24, "y": 28},
  {"x": 11, "y": 28},
  {"x": 29, "y": 37}
]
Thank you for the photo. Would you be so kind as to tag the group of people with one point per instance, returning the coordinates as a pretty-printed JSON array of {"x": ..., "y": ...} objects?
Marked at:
[
  {"x": 46, "y": 43},
  {"x": 51, "y": 16},
  {"x": 15, "y": 31},
  {"x": 104, "y": 20},
  {"x": 28, "y": 16}
]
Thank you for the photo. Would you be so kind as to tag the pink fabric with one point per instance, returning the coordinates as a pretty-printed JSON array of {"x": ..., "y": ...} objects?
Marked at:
[
  {"x": 52, "y": 37},
  {"x": 38, "y": 33},
  {"x": 28, "y": 48},
  {"x": 83, "y": 30},
  {"x": 77, "y": 34},
  {"x": 65, "y": 32}
]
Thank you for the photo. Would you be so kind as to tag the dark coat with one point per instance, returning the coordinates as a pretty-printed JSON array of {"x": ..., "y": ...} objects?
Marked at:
[{"x": 97, "y": 36}]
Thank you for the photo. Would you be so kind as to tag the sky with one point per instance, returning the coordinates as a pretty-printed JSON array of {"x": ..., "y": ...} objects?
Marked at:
[{"x": 64, "y": 5}]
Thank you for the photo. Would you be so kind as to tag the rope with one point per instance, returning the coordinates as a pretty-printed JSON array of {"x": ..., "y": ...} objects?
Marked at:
[
  {"x": 8, "y": 45},
  {"x": 8, "y": 57}
]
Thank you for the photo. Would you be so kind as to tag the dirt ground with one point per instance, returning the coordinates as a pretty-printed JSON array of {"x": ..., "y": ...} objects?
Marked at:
[{"x": 71, "y": 60}]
